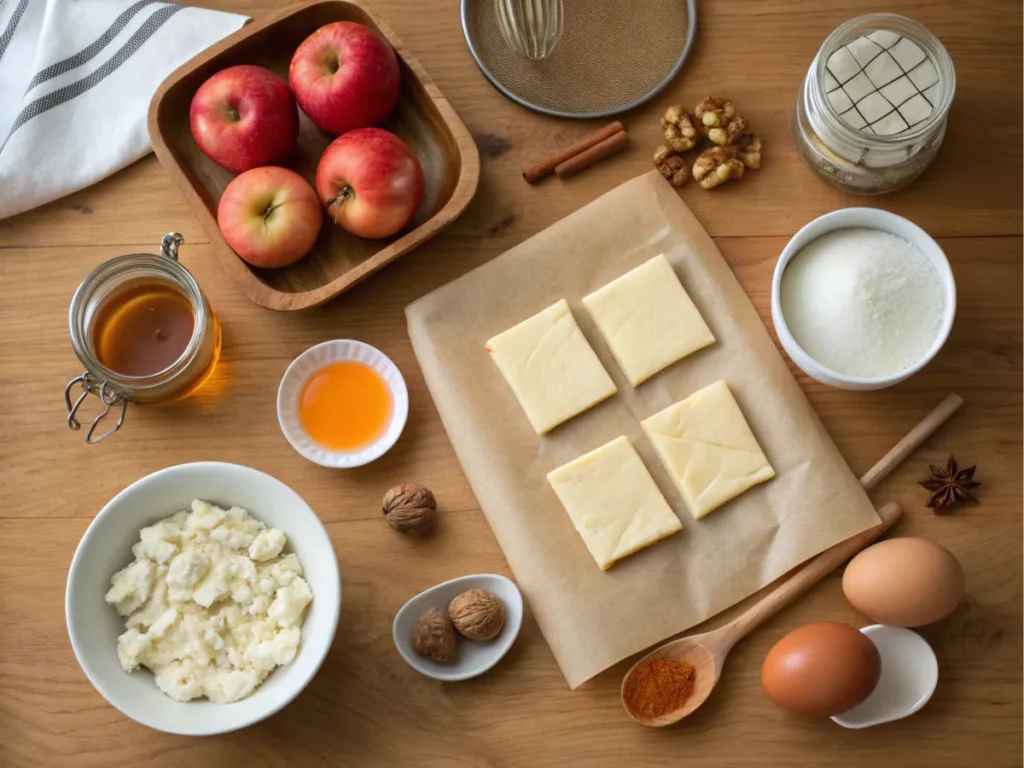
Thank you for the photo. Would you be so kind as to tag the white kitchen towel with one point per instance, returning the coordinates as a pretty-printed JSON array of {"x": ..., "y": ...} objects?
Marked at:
[{"x": 76, "y": 79}]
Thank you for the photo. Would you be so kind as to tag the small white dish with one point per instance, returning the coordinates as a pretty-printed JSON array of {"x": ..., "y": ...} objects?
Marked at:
[
  {"x": 471, "y": 658},
  {"x": 311, "y": 361},
  {"x": 883, "y": 221},
  {"x": 910, "y": 673},
  {"x": 106, "y": 547}
]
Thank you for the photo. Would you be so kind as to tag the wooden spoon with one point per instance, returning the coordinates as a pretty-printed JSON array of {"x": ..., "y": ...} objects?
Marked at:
[{"x": 707, "y": 651}]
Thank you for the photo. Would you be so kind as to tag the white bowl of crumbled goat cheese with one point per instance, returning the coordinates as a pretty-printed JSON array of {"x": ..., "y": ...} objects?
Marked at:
[{"x": 203, "y": 598}]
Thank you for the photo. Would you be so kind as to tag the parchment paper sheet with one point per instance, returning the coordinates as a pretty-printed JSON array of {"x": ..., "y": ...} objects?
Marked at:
[{"x": 592, "y": 618}]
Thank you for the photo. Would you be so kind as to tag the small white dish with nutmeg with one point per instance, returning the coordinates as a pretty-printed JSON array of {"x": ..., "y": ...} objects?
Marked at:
[{"x": 475, "y": 613}]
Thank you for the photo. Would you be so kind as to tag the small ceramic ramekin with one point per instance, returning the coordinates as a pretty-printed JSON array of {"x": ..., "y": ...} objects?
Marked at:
[
  {"x": 883, "y": 221},
  {"x": 311, "y": 361},
  {"x": 470, "y": 658},
  {"x": 910, "y": 674}
]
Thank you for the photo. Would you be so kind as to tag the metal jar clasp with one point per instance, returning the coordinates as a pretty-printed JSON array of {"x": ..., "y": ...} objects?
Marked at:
[
  {"x": 107, "y": 394},
  {"x": 169, "y": 245}
]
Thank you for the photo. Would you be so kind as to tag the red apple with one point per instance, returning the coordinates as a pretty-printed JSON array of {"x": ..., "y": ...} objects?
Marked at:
[
  {"x": 270, "y": 216},
  {"x": 345, "y": 76},
  {"x": 244, "y": 117},
  {"x": 370, "y": 181}
]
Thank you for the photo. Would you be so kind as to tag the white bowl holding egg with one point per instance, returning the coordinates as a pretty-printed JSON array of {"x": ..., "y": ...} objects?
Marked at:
[
  {"x": 879, "y": 221},
  {"x": 94, "y": 626}
]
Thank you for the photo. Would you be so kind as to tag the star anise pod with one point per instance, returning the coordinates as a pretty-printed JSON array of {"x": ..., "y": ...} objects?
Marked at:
[{"x": 950, "y": 485}]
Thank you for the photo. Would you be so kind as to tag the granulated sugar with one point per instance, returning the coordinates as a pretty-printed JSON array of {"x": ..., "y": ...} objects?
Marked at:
[{"x": 862, "y": 303}]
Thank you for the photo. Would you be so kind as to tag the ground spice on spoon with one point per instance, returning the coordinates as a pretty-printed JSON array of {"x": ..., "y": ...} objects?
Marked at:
[{"x": 658, "y": 686}]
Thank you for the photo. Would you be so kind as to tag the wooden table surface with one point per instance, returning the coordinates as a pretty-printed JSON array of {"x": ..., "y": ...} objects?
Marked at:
[{"x": 366, "y": 707}]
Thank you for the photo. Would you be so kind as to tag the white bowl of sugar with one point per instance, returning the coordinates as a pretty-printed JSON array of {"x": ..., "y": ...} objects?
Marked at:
[{"x": 862, "y": 299}]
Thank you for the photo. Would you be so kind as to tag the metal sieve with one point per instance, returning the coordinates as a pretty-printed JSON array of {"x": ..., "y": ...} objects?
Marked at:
[{"x": 588, "y": 74}]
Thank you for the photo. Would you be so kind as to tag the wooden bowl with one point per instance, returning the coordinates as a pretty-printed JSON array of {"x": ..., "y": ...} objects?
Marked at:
[{"x": 423, "y": 118}]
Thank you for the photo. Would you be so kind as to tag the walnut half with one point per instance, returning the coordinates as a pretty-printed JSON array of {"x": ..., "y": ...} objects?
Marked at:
[
  {"x": 671, "y": 165},
  {"x": 748, "y": 150},
  {"x": 680, "y": 132},
  {"x": 717, "y": 165},
  {"x": 720, "y": 120}
]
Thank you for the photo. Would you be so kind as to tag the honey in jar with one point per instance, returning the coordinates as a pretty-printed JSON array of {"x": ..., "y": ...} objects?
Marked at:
[
  {"x": 143, "y": 328},
  {"x": 144, "y": 332}
]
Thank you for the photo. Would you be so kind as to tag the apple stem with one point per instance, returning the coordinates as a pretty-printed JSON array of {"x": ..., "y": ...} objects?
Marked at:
[
  {"x": 269, "y": 210},
  {"x": 343, "y": 194}
]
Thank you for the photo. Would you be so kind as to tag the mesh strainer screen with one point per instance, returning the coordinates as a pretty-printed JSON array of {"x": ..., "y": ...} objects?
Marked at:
[{"x": 612, "y": 53}]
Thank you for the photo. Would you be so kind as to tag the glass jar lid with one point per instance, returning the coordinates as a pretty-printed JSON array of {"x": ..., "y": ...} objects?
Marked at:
[{"x": 880, "y": 88}]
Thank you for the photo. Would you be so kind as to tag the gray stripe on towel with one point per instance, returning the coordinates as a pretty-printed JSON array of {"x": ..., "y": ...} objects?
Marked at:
[
  {"x": 77, "y": 88},
  {"x": 87, "y": 54},
  {"x": 5, "y": 38}
]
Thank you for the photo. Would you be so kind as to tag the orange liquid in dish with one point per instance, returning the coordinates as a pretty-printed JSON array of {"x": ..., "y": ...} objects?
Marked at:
[{"x": 345, "y": 405}]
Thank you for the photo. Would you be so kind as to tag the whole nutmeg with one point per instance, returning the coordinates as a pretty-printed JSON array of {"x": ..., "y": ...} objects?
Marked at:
[
  {"x": 434, "y": 636},
  {"x": 477, "y": 614},
  {"x": 409, "y": 508}
]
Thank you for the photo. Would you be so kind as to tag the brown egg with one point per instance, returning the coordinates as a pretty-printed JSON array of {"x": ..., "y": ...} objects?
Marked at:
[
  {"x": 904, "y": 582},
  {"x": 821, "y": 669}
]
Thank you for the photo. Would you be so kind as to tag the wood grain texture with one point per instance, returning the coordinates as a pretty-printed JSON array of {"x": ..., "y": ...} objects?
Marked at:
[
  {"x": 366, "y": 708},
  {"x": 913, "y": 440},
  {"x": 423, "y": 118}
]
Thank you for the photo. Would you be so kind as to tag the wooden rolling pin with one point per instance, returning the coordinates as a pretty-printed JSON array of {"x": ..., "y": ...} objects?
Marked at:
[{"x": 925, "y": 429}]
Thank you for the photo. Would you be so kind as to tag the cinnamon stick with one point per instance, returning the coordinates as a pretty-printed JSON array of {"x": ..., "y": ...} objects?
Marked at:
[
  {"x": 542, "y": 168},
  {"x": 609, "y": 146}
]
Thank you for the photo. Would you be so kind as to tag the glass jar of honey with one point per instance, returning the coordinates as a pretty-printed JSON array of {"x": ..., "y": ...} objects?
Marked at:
[{"x": 144, "y": 332}]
